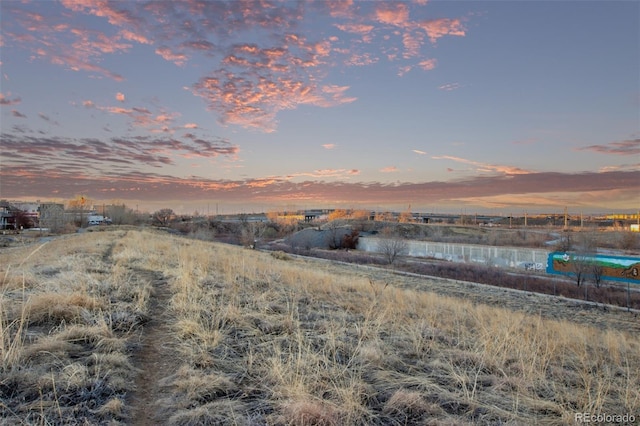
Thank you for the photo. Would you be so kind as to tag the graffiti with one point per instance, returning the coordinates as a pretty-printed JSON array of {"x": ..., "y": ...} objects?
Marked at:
[{"x": 614, "y": 268}]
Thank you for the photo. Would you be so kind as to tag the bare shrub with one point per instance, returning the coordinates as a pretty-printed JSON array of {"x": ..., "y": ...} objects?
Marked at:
[
  {"x": 392, "y": 246},
  {"x": 629, "y": 240}
]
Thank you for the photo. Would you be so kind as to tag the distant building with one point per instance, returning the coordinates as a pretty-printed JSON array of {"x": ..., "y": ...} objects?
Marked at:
[
  {"x": 18, "y": 215},
  {"x": 51, "y": 215},
  {"x": 7, "y": 218}
]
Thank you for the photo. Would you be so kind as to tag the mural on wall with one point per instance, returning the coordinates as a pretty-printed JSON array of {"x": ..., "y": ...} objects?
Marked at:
[{"x": 614, "y": 268}]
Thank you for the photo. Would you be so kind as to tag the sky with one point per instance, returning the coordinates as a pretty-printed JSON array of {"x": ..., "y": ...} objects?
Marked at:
[{"x": 248, "y": 106}]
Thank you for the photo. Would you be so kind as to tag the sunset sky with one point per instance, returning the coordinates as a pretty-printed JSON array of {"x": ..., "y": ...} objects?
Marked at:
[{"x": 474, "y": 106}]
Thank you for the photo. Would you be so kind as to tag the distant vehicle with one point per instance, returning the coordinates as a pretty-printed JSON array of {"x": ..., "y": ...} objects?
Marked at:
[{"x": 98, "y": 220}]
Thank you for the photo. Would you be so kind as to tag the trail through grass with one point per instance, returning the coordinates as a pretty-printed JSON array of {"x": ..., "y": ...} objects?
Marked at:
[{"x": 141, "y": 327}]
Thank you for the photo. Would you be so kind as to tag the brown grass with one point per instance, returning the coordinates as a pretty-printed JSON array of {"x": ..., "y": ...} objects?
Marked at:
[
  {"x": 271, "y": 340},
  {"x": 63, "y": 361}
]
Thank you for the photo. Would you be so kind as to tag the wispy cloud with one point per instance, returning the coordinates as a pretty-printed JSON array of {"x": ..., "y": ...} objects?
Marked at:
[
  {"x": 5, "y": 100},
  {"x": 101, "y": 154},
  {"x": 36, "y": 178},
  {"x": 355, "y": 28},
  {"x": 48, "y": 119},
  {"x": 389, "y": 169},
  {"x": 160, "y": 121},
  {"x": 419, "y": 152},
  {"x": 427, "y": 64},
  {"x": 329, "y": 146},
  {"x": 326, "y": 173},
  {"x": 626, "y": 147},
  {"x": 120, "y": 97},
  {"x": 17, "y": 114},
  {"x": 485, "y": 167},
  {"x": 450, "y": 87}
]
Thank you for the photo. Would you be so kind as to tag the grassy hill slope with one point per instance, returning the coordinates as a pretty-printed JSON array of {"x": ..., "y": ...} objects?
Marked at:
[{"x": 140, "y": 327}]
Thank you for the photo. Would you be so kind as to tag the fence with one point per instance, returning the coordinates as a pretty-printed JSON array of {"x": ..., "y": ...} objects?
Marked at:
[{"x": 491, "y": 255}]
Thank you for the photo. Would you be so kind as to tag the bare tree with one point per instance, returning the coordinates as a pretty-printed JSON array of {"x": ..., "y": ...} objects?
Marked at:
[
  {"x": 406, "y": 216},
  {"x": 597, "y": 270},
  {"x": 629, "y": 240},
  {"x": 23, "y": 220},
  {"x": 162, "y": 217},
  {"x": 565, "y": 242},
  {"x": 79, "y": 206},
  {"x": 120, "y": 214},
  {"x": 392, "y": 246},
  {"x": 336, "y": 232},
  {"x": 252, "y": 233},
  {"x": 580, "y": 267},
  {"x": 584, "y": 261}
]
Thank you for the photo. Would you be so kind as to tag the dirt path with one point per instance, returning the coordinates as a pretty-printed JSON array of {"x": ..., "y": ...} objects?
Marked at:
[
  {"x": 155, "y": 359},
  {"x": 546, "y": 306}
]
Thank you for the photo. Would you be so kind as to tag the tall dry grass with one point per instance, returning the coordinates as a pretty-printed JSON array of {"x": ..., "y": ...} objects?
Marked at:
[
  {"x": 265, "y": 339},
  {"x": 67, "y": 321},
  {"x": 295, "y": 345}
]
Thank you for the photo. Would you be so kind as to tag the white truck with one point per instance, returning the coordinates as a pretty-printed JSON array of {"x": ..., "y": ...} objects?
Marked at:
[{"x": 95, "y": 219}]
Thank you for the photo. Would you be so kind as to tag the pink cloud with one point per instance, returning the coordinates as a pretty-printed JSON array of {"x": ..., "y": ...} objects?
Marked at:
[
  {"x": 132, "y": 36},
  {"x": 329, "y": 145},
  {"x": 39, "y": 179},
  {"x": 168, "y": 54},
  {"x": 484, "y": 167},
  {"x": 412, "y": 44},
  {"x": 254, "y": 103},
  {"x": 404, "y": 69},
  {"x": 355, "y": 28},
  {"x": 250, "y": 83},
  {"x": 143, "y": 117},
  {"x": 5, "y": 100},
  {"x": 340, "y": 9},
  {"x": 94, "y": 43},
  {"x": 438, "y": 28},
  {"x": 393, "y": 13},
  {"x": 428, "y": 64},
  {"x": 120, "y": 97},
  {"x": 389, "y": 169},
  {"x": 102, "y": 8},
  {"x": 360, "y": 60},
  {"x": 325, "y": 173}
]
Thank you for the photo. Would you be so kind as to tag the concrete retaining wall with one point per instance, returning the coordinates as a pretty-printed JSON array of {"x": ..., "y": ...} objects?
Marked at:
[{"x": 490, "y": 255}]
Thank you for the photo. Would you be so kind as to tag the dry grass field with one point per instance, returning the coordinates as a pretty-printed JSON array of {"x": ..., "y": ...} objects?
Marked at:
[{"x": 141, "y": 327}]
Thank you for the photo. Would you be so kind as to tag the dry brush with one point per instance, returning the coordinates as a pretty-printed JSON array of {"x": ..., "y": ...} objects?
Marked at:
[{"x": 263, "y": 339}]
